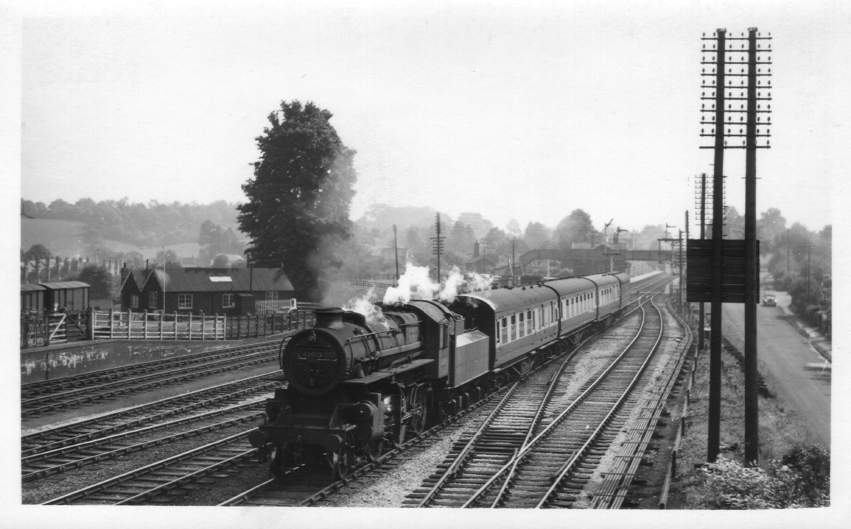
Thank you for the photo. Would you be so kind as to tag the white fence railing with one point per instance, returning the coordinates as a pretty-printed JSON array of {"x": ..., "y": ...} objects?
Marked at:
[
  {"x": 107, "y": 325},
  {"x": 276, "y": 305}
]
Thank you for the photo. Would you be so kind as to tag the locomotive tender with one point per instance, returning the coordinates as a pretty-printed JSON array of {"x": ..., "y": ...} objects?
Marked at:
[{"x": 355, "y": 386}]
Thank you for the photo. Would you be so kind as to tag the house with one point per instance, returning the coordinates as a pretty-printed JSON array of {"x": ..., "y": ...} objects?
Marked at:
[
  {"x": 131, "y": 288},
  {"x": 210, "y": 290}
]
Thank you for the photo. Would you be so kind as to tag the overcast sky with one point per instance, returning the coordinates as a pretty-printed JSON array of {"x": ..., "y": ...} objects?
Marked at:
[{"x": 516, "y": 112}]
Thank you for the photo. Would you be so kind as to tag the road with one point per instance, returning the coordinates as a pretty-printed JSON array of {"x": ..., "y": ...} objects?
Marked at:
[{"x": 787, "y": 362}]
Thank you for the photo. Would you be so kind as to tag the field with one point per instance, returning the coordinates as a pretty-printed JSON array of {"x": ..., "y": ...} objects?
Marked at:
[{"x": 64, "y": 238}]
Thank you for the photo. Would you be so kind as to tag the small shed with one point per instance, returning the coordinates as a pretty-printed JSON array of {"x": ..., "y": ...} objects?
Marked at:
[
  {"x": 71, "y": 296},
  {"x": 32, "y": 298}
]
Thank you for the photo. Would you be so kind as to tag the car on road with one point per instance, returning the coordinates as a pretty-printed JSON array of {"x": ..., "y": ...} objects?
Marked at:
[{"x": 769, "y": 301}]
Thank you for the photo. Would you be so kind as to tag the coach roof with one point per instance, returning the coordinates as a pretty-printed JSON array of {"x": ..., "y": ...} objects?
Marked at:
[{"x": 511, "y": 299}]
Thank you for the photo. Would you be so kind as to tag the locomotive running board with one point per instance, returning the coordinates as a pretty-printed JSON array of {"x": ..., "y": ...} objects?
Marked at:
[{"x": 381, "y": 374}]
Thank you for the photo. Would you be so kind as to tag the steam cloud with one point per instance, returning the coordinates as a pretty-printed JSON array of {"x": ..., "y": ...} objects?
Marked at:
[
  {"x": 415, "y": 283},
  {"x": 365, "y": 305}
]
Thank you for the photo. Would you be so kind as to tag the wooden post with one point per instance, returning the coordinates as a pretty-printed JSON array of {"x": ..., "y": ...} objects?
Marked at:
[
  {"x": 174, "y": 335},
  {"x": 190, "y": 325},
  {"x": 111, "y": 324},
  {"x": 714, "y": 415},
  {"x": 145, "y": 325},
  {"x": 203, "y": 321}
]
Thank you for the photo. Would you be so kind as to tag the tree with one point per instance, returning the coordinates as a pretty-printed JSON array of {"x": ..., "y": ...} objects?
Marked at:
[
  {"x": 480, "y": 225},
  {"x": 167, "y": 258},
  {"x": 496, "y": 243},
  {"x": 513, "y": 228},
  {"x": 576, "y": 227},
  {"x": 298, "y": 199},
  {"x": 37, "y": 252},
  {"x": 769, "y": 228},
  {"x": 537, "y": 236},
  {"x": 460, "y": 240},
  {"x": 418, "y": 250},
  {"x": 734, "y": 224},
  {"x": 221, "y": 261},
  {"x": 99, "y": 280}
]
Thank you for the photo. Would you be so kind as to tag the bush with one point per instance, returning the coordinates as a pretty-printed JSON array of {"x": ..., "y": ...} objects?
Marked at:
[{"x": 801, "y": 478}]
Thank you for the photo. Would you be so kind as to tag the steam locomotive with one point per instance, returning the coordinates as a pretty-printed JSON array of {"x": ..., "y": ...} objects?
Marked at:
[{"x": 355, "y": 386}]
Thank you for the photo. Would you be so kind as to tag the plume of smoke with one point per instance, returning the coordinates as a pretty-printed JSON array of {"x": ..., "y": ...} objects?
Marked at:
[
  {"x": 476, "y": 281},
  {"x": 453, "y": 282},
  {"x": 365, "y": 305},
  {"x": 413, "y": 283}
]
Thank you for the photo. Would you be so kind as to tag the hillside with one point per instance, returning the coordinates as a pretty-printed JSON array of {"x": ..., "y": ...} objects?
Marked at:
[{"x": 65, "y": 238}]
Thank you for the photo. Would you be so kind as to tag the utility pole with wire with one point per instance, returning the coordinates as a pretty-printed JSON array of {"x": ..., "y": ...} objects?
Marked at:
[
  {"x": 725, "y": 60},
  {"x": 437, "y": 243}
]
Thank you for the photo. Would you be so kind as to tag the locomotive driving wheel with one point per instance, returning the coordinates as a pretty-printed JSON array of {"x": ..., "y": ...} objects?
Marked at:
[
  {"x": 341, "y": 463},
  {"x": 374, "y": 449},
  {"x": 418, "y": 409}
]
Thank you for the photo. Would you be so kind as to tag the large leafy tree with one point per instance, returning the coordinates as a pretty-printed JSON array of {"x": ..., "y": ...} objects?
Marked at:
[
  {"x": 576, "y": 227},
  {"x": 298, "y": 199},
  {"x": 99, "y": 280}
]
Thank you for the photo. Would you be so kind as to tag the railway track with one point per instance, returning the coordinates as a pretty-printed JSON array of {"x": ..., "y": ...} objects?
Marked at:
[
  {"x": 170, "y": 408},
  {"x": 301, "y": 486},
  {"x": 69, "y": 457},
  {"x": 151, "y": 377},
  {"x": 528, "y": 454},
  {"x": 162, "y": 481}
]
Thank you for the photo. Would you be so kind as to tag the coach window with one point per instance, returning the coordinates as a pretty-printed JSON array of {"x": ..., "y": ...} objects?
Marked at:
[
  {"x": 513, "y": 328},
  {"x": 503, "y": 329},
  {"x": 522, "y": 332},
  {"x": 532, "y": 318}
]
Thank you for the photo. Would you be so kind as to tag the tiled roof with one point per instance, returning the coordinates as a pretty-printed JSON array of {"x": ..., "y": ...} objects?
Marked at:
[
  {"x": 222, "y": 279},
  {"x": 29, "y": 287}
]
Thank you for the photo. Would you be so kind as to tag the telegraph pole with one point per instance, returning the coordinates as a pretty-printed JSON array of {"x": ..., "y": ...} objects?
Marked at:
[
  {"x": 680, "y": 265},
  {"x": 437, "y": 243},
  {"x": 714, "y": 426},
  {"x": 701, "y": 314},
  {"x": 396, "y": 253},
  {"x": 687, "y": 307},
  {"x": 727, "y": 285}
]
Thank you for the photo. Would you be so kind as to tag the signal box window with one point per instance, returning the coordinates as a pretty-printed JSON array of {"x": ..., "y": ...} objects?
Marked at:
[
  {"x": 153, "y": 299},
  {"x": 134, "y": 301}
]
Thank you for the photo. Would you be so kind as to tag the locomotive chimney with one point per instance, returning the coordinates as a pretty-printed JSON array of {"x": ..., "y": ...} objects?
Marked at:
[{"x": 331, "y": 318}]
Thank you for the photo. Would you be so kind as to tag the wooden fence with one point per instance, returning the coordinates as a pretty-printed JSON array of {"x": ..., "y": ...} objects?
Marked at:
[
  {"x": 60, "y": 327},
  {"x": 110, "y": 325},
  {"x": 39, "y": 330}
]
